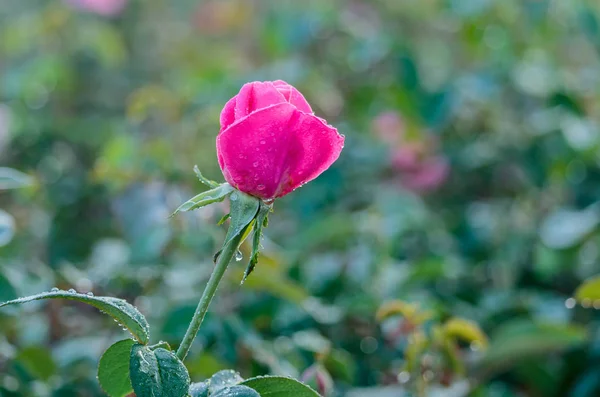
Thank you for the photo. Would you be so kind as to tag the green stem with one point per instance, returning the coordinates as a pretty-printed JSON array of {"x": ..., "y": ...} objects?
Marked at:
[{"x": 211, "y": 287}]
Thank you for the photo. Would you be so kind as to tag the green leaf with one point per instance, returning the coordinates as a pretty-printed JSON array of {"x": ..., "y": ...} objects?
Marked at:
[
  {"x": 113, "y": 369},
  {"x": 261, "y": 218},
  {"x": 522, "y": 339},
  {"x": 244, "y": 209},
  {"x": 13, "y": 179},
  {"x": 205, "y": 180},
  {"x": 224, "y": 378},
  {"x": 199, "y": 389},
  {"x": 124, "y": 313},
  {"x": 208, "y": 197},
  {"x": 157, "y": 373},
  {"x": 236, "y": 391},
  {"x": 38, "y": 361},
  {"x": 279, "y": 386},
  {"x": 223, "y": 219},
  {"x": 589, "y": 291}
]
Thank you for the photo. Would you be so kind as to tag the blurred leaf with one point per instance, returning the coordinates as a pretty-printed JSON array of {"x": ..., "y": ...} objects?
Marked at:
[
  {"x": 13, "y": 179},
  {"x": 7, "y": 227},
  {"x": 7, "y": 291},
  {"x": 341, "y": 365},
  {"x": 589, "y": 290},
  {"x": 124, "y": 313},
  {"x": 38, "y": 361},
  {"x": 236, "y": 391},
  {"x": 565, "y": 227},
  {"x": 113, "y": 369},
  {"x": 465, "y": 330},
  {"x": 409, "y": 311},
  {"x": 205, "y": 198},
  {"x": 278, "y": 386},
  {"x": 157, "y": 373},
  {"x": 522, "y": 339}
]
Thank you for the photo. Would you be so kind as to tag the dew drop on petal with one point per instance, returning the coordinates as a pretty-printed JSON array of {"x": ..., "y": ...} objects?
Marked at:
[
  {"x": 255, "y": 164},
  {"x": 261, "y": 187},
  {"x": 263, "y": 142},
  {"x": 233, "y": 197}
]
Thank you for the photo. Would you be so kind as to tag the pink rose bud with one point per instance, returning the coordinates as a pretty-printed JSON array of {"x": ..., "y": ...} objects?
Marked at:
[{"x": 270, "y": 141}]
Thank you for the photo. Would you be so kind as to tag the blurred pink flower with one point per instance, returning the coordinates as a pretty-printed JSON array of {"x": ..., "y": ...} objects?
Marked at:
[
  {"x": 420, "y": 173},
  {"x": 106, "y": 8},
  {"x": 417, "y": 165},
  {"x": 389, "y": 127}
]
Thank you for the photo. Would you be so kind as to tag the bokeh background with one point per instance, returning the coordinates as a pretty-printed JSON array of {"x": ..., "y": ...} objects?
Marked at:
[{"x": 468, "y": 189}]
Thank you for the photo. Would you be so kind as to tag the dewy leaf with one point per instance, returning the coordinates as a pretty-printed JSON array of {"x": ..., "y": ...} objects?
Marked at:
[
  {"x": 236, "y": 391},
  {"x": 589, "y": 291},
  {"x": 224, "y": 378},
  {"x": 113, "y": 369},
  {"x": 205, "y": 180},
  {"x": 124, "y": 313},
  {"x": 279, "y": 386},
  {"x": 199, "y": 389},
  {"x": 13, "y": 179},
  {"x": 243, "y": 210},
  {"x": 157, "y": 373},
  {"x": 208, "y": 197},
  {"x": 261, "y": 217}
]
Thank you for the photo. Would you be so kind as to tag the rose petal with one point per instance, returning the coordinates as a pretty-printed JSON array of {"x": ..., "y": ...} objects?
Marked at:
[
  {"x": 275, "y": 150},
  {"x": 314, "y": 147},
  {"x": 292, "y": 95},
  {"x": 255, "y": 96},
  {"x": 252, "y": 152},
  {"x": 228, "y": 114}
]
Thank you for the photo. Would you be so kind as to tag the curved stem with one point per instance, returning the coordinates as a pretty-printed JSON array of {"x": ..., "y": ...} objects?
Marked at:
[{"x": 211, "y": 287}]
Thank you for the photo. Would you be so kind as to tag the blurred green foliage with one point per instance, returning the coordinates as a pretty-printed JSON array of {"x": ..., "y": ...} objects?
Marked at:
[{"x": 470, "y": 184}]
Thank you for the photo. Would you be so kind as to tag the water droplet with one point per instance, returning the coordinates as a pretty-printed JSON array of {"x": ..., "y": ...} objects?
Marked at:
[
  {"x": 255, "y": 164},
  {"x": 241, "y": 156},
  {"x": 261, "y": 187},
  {"x": 257, "y": 149},
  {"x": 233, "y": 197},
  {"x": 570, "y": 303},
  {"x": 239, "y": 256},
  {"x": 54, "y": 289},
  {"x": 263, "y": 142},
  {"x": 72, "y": 291},
  {"x": 597, "y": 304},
  {"x": 90, "y": 293}
]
